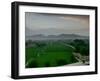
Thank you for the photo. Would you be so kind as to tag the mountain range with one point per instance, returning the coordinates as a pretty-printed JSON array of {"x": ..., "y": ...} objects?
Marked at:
[{"x": 55, "y": 37}]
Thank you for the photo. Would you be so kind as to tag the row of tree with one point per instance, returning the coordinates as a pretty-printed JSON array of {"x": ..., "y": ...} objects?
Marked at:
[{"x": 81, "y": 46}]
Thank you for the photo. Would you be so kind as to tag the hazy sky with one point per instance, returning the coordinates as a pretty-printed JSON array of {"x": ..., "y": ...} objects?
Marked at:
[{"x": 51, "y": 24}]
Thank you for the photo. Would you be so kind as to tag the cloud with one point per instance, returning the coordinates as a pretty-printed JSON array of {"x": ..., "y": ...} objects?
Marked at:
[{"x": 53, "y": 24}]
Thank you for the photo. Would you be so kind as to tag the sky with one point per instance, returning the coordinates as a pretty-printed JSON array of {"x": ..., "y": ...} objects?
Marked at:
[{"x": 54, "y": 24}]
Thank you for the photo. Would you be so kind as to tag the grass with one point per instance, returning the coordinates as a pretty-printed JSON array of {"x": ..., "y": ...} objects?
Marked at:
[{"x": 50, "y": 55}]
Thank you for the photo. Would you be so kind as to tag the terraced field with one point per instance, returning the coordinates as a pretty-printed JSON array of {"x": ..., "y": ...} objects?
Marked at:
[{"x": 50, "y": 54}]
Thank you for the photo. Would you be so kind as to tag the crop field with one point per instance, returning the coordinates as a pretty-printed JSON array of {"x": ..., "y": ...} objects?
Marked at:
[{"x": 48, "y": 54}]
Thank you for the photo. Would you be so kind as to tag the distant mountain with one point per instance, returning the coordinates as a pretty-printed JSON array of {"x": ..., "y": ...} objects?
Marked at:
[
  {"x": 68, "y": 35},
  {"x": 51, "y": 31},
  {"x": 37, "y": 35},
  {"x": 55, "y": 37}
]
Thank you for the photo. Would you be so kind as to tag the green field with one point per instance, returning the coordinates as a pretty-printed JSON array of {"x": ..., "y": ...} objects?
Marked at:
[{"x": 48, "y": 54}]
